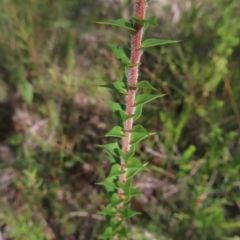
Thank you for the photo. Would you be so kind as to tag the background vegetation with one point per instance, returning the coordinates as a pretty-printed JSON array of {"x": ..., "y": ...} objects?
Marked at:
[{"x": 51, "y": 116}]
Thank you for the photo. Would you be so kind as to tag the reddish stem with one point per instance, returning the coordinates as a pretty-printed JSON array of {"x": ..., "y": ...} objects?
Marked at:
[{"x": 140, "y": 9}]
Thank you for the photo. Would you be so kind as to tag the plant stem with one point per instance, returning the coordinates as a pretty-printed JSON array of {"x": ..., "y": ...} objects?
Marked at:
[{"x": 139, "y": 12}]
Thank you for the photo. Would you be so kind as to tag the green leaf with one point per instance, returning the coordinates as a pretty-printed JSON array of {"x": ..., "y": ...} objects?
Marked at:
[
  {"x": 138, "y": 111},
  {"x": 145, "y": 84},
  {"x": 155, "y": 42},
  {"x": 187, "y": 155},
  {"x": 109, "y": 210},
  {"x": 146, "y": 25},
  {"x": 113, "y": 159},
  {"x": 152, "y": 20},
  {"x": 109, "y": 182},
  {"x": 129, "y": 190},
  {"x": 127, "y": 212},
  {"x": 127, "y": 155},
  {"x": 116, "y": 132},
  {"x": 115, "y": 106},
  {"x": 123, "y": 23},
  {"x": 133, "y": 167},
  {"x": 108, "y": 234},
  {"x": 112, "y": 148},
  {"x": 26, "y": 92},
  {"x": 115, "y": 200},
  {"x": 116, "y": 225},
  {"x": 122, "y": 54},
  {"x": 144, "y": 98},
  {"x": 115, "y": 171},
  {"x": 124, "y": 233},
  {"x": 138, "y": 134},
  {"x": 116, "y": 86},
  {"x": 123, "y": 116}
]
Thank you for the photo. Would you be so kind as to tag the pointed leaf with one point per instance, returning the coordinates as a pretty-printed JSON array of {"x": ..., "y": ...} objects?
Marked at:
[
  {"x": 115, "y": 200},
  {"x": 152, "y": 20},
  {"x": 144, "y": 98},
  {"x": 138, "y": 134},
  {"x": 139, "y": 128},
  {"x": 124, "y": 233},
  {"x": 113, "y": 159},
  {"x": 109, "y": 210},
  {"x": 109, "y": 183},
  {"x": 127, "y": 155},
  {"x": 112, "y": 148},
  {"x": 116, "y": 86},
  {"x": 115, "y": 224},
  {"x": 129, "y": 190},
  {"x": 122, "y": 54},
  {"x": 155, "y": 42},
  {"x": 123, "y": 23},
  {"x": 123, "y": 116},
  {"x": 116, "y": 132},
  {"x": 115, "y": 106},
  {"x": 146, "y": 25},
  {"x": 116, "y": 171},
  {"x": 127, "y": 212},
  {"x": 138, "y": 137},
  {"x": 145, "y": 84},
  {"x": 133, "y": 167},
  {"x": 138, "y": 111},
  {"x": 108, "y": 234}
]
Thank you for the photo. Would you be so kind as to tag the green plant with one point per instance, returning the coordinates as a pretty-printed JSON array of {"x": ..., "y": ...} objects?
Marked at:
[
  {"x": 47, "y": 157},
  {"x": 124, "y": 164}
]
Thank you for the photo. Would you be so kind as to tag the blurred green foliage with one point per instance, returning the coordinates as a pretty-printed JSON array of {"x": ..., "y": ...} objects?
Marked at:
[{"x": 51, "y": 116}]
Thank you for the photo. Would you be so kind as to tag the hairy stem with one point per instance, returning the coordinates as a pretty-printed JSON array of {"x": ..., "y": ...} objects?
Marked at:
[{"x": 139, "y": 12}]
